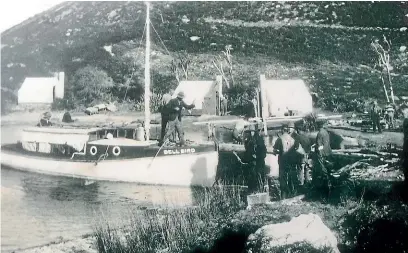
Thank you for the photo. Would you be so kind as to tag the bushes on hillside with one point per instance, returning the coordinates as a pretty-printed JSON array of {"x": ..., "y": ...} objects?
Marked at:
[{"x": 91, "y": 83}]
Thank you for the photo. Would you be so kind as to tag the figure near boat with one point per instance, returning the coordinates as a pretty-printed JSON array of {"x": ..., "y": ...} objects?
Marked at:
[{"x": 171, "y": 122}]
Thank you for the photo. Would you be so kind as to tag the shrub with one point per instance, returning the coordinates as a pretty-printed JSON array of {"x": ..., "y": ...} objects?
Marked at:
[
  {"x": 374, "y": 227},
  {"x": 91, "y": 84},
  {"x": 177, "y": 230}
]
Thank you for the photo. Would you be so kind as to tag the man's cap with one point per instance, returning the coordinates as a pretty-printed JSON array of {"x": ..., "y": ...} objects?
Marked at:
[
  {"x": 181, "y": 94},
  {"x": 47, "y": 115}
]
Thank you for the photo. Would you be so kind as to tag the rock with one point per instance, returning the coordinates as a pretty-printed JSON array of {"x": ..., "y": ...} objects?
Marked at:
[
  {"x": 257, "y": 198},
  {"x": 306, "y": 228}
]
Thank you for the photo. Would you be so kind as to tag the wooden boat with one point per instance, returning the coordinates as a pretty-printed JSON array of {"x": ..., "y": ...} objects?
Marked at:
[{"x": 87, "y": 152}]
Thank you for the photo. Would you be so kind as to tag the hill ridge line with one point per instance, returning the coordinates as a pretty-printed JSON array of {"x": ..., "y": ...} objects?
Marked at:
[{"x": 295, "y": 23}]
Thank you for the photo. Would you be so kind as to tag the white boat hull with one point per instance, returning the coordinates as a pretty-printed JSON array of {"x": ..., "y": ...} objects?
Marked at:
[{"x": 180, "y": 170}]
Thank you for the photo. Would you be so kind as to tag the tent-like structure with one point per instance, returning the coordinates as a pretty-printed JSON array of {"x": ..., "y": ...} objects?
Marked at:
[
  {"x": 204, "y": 94},
  {"x": 285, "y": 97},
  {"x": 41, "y": 90}
]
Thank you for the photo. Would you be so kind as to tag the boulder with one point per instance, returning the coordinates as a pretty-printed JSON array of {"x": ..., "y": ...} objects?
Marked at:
[{"x": 306, "y": 228}]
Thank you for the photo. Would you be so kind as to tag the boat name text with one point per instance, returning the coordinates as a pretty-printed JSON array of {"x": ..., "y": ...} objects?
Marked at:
[{"x": 179, "y": 151}]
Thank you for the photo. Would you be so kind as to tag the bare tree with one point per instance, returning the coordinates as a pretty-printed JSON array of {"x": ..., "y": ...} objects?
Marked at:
[
  {"x": 218, "y": 63},
  {"x": 180, "y": 66},
  {"x": 383, "y": 53}
]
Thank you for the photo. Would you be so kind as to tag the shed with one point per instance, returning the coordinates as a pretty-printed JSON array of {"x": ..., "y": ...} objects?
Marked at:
[
  {"x": 285, "y": 96},
  {"x": 41, "y": 90},
  {"x": 204, "y": 94}
]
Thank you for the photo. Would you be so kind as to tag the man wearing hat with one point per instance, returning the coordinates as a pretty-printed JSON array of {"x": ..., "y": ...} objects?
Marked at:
[
  {"x": 164, "y": 115},
  {"x": 375, "y": 116},
  {"x": 284, "y": 148},
  {"x": 173, "y": 111},
  {"x": 302, "y": 147},
  {"x": 321, "y": 171},
  {"x": 254, "y": 156},
  {"x": 45, "y": 120},
  {"x": 389, "y": 114}
]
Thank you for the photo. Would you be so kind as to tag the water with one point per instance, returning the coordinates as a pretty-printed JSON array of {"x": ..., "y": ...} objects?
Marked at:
[{"x": 37, "y": 209}]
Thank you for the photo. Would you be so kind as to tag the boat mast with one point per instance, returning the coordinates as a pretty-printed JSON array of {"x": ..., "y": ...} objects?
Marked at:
[{"x": 147, "y": 74}]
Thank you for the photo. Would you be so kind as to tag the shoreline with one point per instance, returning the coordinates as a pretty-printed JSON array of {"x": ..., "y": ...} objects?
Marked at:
[{"x": 83, "y": 244}]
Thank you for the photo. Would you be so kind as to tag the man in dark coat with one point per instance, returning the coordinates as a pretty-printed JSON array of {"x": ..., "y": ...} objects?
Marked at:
[
  {"x": 302, "y": 141},
  {"x": 254, "y": 156},
  {"x": 173, "y": 110},
  {"x": 321, "y": 170},
  {"x": 376, "y": 117},
  {"x": 284, "y": 148},
  {"x": 164, "y": 115}
]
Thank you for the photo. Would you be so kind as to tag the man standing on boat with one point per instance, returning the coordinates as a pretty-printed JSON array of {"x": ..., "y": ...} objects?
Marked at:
[
  {"x": 173, "y": 111},
  {"x": 164, "y": 115}
]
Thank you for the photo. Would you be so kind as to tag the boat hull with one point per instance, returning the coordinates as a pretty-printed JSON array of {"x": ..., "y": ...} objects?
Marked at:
[{"x": 196, "y": 169}]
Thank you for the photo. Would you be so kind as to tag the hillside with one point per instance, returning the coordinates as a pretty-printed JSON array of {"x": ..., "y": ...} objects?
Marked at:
[{"x": 325, "y": 43}]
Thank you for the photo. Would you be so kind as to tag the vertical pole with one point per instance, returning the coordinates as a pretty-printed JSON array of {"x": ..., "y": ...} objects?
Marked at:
[
  {"x": 147, "y": 74},
  {"x": 263, "y": 103}
]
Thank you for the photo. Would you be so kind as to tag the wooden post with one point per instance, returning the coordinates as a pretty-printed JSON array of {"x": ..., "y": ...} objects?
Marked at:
[
  {"x": 263, "y": 103},
  {"x": 147, "y": 75}
]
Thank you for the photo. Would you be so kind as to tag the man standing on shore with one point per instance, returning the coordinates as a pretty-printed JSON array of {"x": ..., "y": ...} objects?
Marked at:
[
  {"x": 173, "y": 110},
  {"x": 321, "y": 171},
  {"x": 302, "y": 146},
  {"x": 254, "y": 157},
  {"x": 287, "y": 163},
  {"x": 375, "y": 117}
]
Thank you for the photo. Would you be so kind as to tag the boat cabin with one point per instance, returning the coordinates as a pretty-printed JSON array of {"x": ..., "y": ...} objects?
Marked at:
[{"x": 99, "y": 143}]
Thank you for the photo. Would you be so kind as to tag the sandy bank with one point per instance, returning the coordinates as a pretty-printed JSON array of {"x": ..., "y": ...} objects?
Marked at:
[{"x": 80, "y": 245}]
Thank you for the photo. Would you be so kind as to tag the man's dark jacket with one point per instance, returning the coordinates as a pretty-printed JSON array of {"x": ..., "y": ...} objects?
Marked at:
[{"x": 174, "y": 107}]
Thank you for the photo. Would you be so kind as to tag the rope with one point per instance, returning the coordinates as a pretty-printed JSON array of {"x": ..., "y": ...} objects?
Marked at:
[
  {"x": 102, "y": 156},
  {"x": 154, "y": 29},
  {"x": 158, "y": 151}
]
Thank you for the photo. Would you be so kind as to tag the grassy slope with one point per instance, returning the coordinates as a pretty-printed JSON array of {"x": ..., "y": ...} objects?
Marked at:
[{"x": 313, "y": 48}]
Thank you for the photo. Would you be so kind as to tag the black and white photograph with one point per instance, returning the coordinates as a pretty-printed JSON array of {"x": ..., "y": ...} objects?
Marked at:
[{"x": 204, "y": 126}]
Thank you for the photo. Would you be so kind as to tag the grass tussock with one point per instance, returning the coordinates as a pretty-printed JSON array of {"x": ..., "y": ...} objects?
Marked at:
[{"x": 173, "y": 230}]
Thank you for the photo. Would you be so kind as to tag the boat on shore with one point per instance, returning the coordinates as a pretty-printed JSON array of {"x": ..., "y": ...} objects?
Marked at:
[{"x": 113, "y": 153}]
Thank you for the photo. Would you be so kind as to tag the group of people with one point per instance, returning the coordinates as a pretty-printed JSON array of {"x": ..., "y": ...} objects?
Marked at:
[
  {"x": 295, "y": 150},
  {"x": 390, "y": 113}
]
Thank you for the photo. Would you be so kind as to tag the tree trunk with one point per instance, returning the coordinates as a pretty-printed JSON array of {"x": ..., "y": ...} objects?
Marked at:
[
  {"x": 385, "y": 88},
  {"x": 390, "y": 84}
]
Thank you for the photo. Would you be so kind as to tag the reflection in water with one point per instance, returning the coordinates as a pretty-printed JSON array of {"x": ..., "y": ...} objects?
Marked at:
[{"x": 37, "y": 209}]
